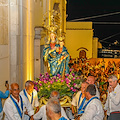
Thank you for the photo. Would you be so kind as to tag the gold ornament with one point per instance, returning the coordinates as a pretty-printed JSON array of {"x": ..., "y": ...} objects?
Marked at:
[
  {"x": 61, "y": 36},
  {"x": 53, "y": 25},
  {"x": 52, "y": 29}
]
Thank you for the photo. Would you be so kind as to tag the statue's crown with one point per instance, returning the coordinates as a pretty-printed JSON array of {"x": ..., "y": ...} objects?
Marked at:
[{"x": 52, "y": 28}]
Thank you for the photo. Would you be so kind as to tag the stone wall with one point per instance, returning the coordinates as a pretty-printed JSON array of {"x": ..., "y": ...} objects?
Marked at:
[
  {"x": 4, "y": 22},
  {"x": 4, "y": 55},
  {"x": 21, "y": 41},
  {"x": 18, "y": 19}
]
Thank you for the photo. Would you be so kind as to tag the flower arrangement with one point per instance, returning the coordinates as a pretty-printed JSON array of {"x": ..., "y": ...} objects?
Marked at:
[{"x": 45, "y": 84}]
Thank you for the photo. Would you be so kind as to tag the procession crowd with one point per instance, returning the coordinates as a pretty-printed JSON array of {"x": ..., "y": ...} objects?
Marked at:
[
  {"x": 24, "y": 105},
  {"x": 84, "y": 67}
]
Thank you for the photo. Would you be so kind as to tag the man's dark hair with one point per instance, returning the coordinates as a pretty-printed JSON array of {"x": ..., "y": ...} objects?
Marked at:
[{"x": 91, "y": 89}]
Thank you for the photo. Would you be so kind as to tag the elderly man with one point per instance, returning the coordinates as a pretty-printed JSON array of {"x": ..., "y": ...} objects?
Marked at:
[
  {"x": 79, "y": 100},
  {"x": 53, "y": 109},
  {"x": 31, "y": 94},
  {"x": 41, "y": 114},
  {"x": 112, "y": 104},
  {"x": 91, "y": 80},
  {"x": 15, "y": 105},
  {"x": 93, "y": 109}
]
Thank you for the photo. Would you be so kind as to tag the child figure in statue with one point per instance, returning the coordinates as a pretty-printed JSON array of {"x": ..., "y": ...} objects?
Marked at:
[{"x": 63, "y": 60}]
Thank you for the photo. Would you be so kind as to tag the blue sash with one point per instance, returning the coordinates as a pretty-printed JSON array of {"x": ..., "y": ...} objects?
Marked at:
[
  {"x": 82, "y": 111},
  {"x": 17, "y": 107},
  {"x": 62, "y": 118},
  {"x": 83, "y": 101},
  {"x": 27, "y": 96}
]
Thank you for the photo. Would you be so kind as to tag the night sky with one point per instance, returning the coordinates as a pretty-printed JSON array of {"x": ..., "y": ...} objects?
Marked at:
[{"x": 106, "y": 28}]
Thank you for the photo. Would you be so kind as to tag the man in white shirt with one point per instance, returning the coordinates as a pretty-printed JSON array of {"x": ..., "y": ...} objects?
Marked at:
[
  {"x": 93, "y": 109},
  {"x": 15, "y": 105},
  {"x": 79, "y": 99},
  {"x": 112, "y": 104},
  {"x": 41, "y": 114},
  {"x": 91, "y": 80},
  {"x": 31, "y": 94},
  {"x": 53, "y": 109}
]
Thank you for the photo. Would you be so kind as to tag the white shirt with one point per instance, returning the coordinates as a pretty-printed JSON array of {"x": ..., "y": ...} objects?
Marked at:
[
  {"x": 42, "y": 114},
  {"x": 113, "y": 100},
  {"x": 76, "y": 99},
  {"x": 35, "y": 102},
  {"x": 11, "y": 112},
  {"x": 93, "y": 111},
  {"x": 97, "y": 92}
]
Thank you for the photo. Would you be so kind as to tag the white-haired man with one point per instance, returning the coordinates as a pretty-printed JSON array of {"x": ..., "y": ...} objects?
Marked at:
[
  {"x": 41, "y": 114},
  {"x": 112, "y": 104},
  {"x": 53, "y": 109},
  {"x": 31, "y": 94}
]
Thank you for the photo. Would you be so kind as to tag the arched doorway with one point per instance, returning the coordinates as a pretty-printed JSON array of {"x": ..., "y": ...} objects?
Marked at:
[{"x": 82, "y": 54}]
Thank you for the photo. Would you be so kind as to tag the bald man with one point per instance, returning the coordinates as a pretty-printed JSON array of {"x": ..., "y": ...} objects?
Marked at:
[
  {"x": 15, "y": 105},
  {"x": 91, "y": 80},
  {"x": 79, "y": 99}
]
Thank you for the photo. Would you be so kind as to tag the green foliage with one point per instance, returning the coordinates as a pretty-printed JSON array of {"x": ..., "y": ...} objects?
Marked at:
[{"x": 45, "y": 84}]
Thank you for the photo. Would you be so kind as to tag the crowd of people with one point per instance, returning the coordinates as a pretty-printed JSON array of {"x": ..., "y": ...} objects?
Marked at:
[
  {"x": 24, "y": 105},
  {"x": 21, "y": 105},
  {"x": 93, "y": 110},
  {"x": 100, "y": 70}
]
